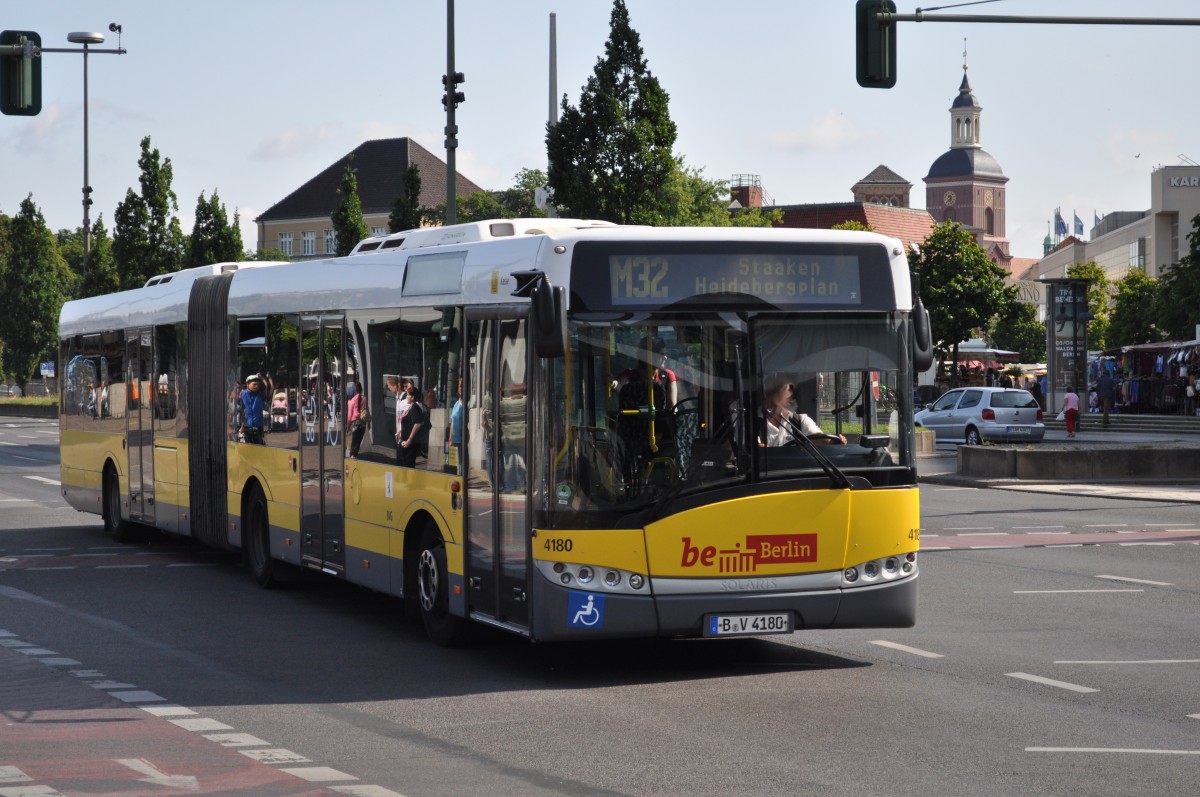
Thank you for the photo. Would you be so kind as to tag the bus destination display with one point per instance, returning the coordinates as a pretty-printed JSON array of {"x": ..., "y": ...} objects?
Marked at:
[{"x": 658, "y": 279}]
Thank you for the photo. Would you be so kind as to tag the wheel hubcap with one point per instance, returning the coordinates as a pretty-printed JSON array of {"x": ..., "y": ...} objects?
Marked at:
[{"x": 427, "y": 580}]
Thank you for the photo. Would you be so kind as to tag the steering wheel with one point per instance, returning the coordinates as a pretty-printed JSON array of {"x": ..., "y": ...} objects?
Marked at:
[{"x": 832, "y": 438}]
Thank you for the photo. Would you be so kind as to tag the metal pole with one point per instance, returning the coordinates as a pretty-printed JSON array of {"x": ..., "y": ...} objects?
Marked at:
[
  {"x": 451, "y": 127},
  {"x": 87, "y": 199}
]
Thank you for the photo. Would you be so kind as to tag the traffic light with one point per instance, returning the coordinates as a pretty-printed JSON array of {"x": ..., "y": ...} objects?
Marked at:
[
  {"x": 876, "y": 44},
  {"x": 450, "y": 82},
  {"x": 20, "y": 73}
]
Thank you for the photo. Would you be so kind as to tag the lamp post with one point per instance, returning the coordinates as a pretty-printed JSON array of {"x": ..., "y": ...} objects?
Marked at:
[{"x": 85, "y": 39}]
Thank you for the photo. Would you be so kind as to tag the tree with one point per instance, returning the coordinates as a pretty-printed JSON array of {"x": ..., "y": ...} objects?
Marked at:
[
  {"x": 31, "y": 293},
  {"x": 520, "y": 201},
  {"x": 213, "y": 239},
  {"x": 853, "y": 224},
  {"x": 100, "y": 275},
  {"x": 264, "y": 255},
  {"x": 960, "y": 286},
  {"x": 1099, "y": 297},
  {"x": 70, "y": 246},
  {"x": 1179, "y": 292},
  {"x": 406, "y": 207},
  {"x": 1135, "y": 310},
  {"x": 147, "y": 238},
  {"x": 611, "y": 157},
  {"x": 348, "y": 225},
  {"x": 1020, "y": 330}
]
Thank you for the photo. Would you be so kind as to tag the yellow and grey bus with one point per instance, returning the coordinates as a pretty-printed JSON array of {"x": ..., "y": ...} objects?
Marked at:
[{"x": 616, "y": 431}]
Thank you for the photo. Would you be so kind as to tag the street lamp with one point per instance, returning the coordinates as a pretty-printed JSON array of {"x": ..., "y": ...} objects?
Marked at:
[{"x": 85, "y": 39}]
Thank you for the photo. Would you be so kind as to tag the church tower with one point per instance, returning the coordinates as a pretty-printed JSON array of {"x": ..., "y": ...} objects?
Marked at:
[{"x": 966, "y": 184}]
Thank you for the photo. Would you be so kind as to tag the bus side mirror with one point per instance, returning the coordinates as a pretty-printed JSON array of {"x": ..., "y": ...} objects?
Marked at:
[
  {"x": 547, "y": 315},
  {"x": 922, "y": 338}
]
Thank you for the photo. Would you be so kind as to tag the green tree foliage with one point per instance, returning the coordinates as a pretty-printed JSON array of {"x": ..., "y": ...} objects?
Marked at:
[
  {"x": 611, "y": 157},
  {"x": 406, "y": 207},
  {"x": 962, "y": 289},
  {"x": 31, "y": 293},
  {"x": 1135, "y": 311},
  {"x": 147, "y": 238},
  {"x": 757, "y": 217},
  {"x": 348, "y": 224},
  {"x": 853, "y": 224},
  {"x": 1099, "y": 300},
  {"x": 70, "y": 246},
  {"x": 520, "y": 201},
  {"x": 1020, "y": 330},
  {"x": 1179, "y": 292},
  {"x": 100, "y": 276},
  {"x": 265, "y": 255},
  {"x": 214, "y": 239}
]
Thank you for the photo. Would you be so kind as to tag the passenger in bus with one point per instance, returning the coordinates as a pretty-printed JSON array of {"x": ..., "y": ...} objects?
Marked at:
[
  {"x": 356, "y": 411},
  {"x": 408, "y": 433},
  {"x": 252, "y": 408},
  {"x": 783, "y": 421}
]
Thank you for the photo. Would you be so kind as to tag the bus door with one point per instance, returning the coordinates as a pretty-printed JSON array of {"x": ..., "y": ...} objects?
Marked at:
[
  {"x": 139, "y": 403},
  {"x": 322, "y": 409},
  {"x": 497, "y": 458}
]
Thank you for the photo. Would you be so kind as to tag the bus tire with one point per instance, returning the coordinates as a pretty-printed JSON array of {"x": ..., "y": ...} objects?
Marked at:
[
  {"x": 256, "y": 523},
  {"x": 433, "y": 591},
  {"x": 114, "y": 526}
]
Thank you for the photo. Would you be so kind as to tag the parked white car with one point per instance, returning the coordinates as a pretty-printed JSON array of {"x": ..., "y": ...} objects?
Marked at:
[{"x": 972, "y": 415}]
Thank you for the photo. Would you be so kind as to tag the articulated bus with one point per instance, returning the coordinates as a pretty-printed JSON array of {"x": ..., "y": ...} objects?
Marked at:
[{"x": 598, "y": 456}]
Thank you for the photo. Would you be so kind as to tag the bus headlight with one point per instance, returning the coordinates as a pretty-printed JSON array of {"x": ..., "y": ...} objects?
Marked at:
[
  {"x": 889, "y": 568},
  {"x": 612, "y": 580}
]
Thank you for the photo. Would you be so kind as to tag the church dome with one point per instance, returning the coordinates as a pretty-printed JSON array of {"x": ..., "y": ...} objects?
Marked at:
[
  {"x": 973, "y": 162},
  {"x": 965, "y": 98}
]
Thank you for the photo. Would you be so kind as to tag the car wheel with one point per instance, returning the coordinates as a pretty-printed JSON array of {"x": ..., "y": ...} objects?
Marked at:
[
  {"x": 973, "y": 438},
  {"x": 433, "y": 591},
  {"x": 258, "y": 540},
  {"x": 117, "y": 528}
]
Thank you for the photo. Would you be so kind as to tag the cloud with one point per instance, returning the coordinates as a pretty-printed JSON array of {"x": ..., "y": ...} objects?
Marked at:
[
  {"x": 831, "y": 132},
  {"x": 294, "y": 141}
]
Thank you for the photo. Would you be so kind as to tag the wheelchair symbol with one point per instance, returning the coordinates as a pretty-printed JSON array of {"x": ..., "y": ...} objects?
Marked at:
[{"x": 588, "y": 611}]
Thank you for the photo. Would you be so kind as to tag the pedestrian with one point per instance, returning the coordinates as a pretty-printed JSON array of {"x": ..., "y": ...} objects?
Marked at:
[
  {"x": 1071, "y": 410},
  {"x": 1106, "y": 392},
  {"x": 408, "y": 435},
  {"x": 1035, "y": 390},
  {"x": 359, "y": 415}
]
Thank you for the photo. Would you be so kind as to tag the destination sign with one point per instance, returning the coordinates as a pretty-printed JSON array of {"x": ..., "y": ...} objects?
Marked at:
[{"x": 660, "y": 279}]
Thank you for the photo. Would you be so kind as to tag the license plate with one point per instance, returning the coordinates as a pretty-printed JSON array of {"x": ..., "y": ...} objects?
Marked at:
[
  {"x": 748, "y": 624},
  {"x": 1019, "y": 429}
]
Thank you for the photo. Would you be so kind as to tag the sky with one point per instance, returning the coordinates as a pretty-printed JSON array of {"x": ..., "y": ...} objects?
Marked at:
[{"x": 251, "y": 99}]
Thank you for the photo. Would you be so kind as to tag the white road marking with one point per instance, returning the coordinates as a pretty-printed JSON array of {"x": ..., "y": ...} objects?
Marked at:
[
  {"x": 157, "y": 777},
  {"x": 138, "y": 696},
  {"x": 1039, "y": 527},
  {"x": 1067, "y": 591},
  {"x": 236, "y": 740},
  {"x": 1037, "y": 679},
  {"x": 365, "y": 791},
  {"x": 167, "y": 711},
  {"x": 316, "y": 774},
  {"x": 883, "y": 643},
  {"x": 13, "y": 775},
  {"x": 971, "y": 528},
  {"x": 1135, "y": 661},
  {"x": 1109, "y": 750},
  {"x": 276, "y": 755},
  {"x": 45, "y": 480},
  {"x": 1137, "y": 580},
  {"x": 1106, "y": 525},
  {"x": 201, "y": 724}
]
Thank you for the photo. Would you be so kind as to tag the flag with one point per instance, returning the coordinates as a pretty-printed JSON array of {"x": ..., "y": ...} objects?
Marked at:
[
  {"x": 1078, "y": 225},
  {"x": 1060, "y": 226},
  {"x": 1097, "y": 215}
]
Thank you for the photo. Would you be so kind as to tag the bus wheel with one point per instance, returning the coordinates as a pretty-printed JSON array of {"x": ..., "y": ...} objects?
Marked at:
[
  {"x": 114, "y": 526},
  {"x": 257, "y": 543},
  {"x": 433, "y": 593}
]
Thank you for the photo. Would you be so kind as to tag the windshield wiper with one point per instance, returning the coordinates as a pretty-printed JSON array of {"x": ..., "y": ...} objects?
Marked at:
[{"x": 834, "y": 473}]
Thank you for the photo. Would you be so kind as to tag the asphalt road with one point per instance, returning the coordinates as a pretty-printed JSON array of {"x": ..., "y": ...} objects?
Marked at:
[{"x": 1054, "y": 669}]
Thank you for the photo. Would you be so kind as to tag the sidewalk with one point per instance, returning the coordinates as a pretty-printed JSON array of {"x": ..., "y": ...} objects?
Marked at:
[{"x": 942, "y": 468}]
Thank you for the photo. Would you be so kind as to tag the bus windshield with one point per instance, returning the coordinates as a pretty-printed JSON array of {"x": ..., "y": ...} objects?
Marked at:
[{"x": 648, "y": 409}]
